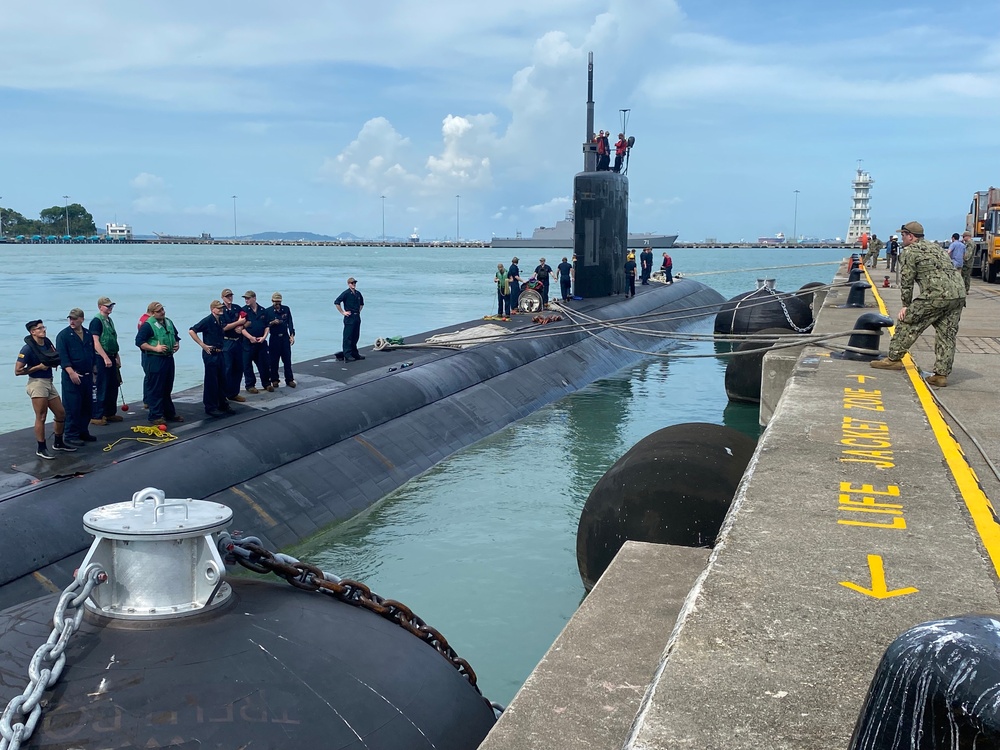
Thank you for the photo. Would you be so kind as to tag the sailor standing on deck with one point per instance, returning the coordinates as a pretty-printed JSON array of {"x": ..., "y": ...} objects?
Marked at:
[
  {"x": 212, "y": 343},
  {"x": 255, "y": 331},
  {"x": 514, "y": 280},
  {"x": 37, "y": 358},
  {"x": 158, "y": 338},
  {"x": 349, "y": 304},
  {"x": 942, "y": 296},
  {"x": 232, "y": 347},
  {"x": 646, "y": 264},
  {"x": 543, "y": 272},
  {"x": 630, "y": 275},
  {"x": 77, "y": 355},
  {"x": 282, "y": 338},
  {"x": 107, "y": 366},
  {"x": 503, "y": 292},
  {"x": 564, "y": 275}
]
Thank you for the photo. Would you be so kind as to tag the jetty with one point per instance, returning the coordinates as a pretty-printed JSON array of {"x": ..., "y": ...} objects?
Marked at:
[{"x": 864, "y": 512}]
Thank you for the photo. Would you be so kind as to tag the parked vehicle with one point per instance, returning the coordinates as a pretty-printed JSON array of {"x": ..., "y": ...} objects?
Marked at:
[{"x": 983, "y": 220}]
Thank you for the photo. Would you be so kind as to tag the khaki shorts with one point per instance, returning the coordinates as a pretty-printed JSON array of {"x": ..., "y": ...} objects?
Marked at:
[{"x": 41, "y": 388}]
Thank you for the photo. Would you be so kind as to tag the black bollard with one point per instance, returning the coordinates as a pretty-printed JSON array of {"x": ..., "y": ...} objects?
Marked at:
[
  {"x": 863, "y": 347},
  {"x": 854, "y": 275},
  {"x": 855, "y": 261},
  {"x": 936, "y": 687},
  {"x": 856, "y": 297}
]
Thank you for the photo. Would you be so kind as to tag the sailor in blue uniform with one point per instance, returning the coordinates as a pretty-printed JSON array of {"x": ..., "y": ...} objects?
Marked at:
[
  {"x": 349, "y": 304},
  {"x": 282, "y": 338},
  {"x": 256, "y": 319},
  {"x": 77, "y": 356},
  {"x": 212, "y": 342},
  {"x": 514, "y": 279},
  {"x": 232, "y": 347}
]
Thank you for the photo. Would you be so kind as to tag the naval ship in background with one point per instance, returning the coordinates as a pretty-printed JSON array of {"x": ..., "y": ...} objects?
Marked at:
[{"x": 561, "y": 236}]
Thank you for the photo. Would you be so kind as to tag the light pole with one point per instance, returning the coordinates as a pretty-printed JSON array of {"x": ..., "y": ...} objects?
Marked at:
[
  {"x": 66, "y": 198},
  {"x": 458, "y": 217},
  {"x": 383, "y": 219},
  {"x": 795, "y": 219},
  {"x": 234, "y": 217}
]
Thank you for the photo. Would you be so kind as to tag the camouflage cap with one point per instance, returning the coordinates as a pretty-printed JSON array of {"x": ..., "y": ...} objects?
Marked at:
[{"x": 913, "y": 227}]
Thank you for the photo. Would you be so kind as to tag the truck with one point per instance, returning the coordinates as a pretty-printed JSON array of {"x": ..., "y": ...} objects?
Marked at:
[{"x": 983, "y": 220}]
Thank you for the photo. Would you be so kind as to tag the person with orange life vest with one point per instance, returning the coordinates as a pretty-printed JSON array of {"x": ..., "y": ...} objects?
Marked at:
[
  {"x": 620, "y": 147},
  {"x": 603, "y": 158}
]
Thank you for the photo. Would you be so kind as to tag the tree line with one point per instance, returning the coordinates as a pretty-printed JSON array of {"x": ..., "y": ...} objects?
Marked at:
[{"x": 50, "y": 221}]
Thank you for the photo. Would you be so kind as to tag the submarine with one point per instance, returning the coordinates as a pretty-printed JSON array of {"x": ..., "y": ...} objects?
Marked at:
[
  {"x": 277, "y": 472},
  {"x": 346, "y": 437}
]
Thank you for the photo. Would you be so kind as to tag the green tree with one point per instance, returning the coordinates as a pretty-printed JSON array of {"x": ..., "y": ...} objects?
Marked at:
[
  {"x": 15, "y": 223},
  {"x": 53, "y": 220}
]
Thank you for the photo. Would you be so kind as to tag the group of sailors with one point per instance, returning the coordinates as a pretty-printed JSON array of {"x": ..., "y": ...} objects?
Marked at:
[
  {"x": 509, "y": 283},
  {"x": 234, "y": 339}
]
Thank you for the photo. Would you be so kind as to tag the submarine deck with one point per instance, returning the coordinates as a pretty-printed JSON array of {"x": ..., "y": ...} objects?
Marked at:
[
  {"x": 865, "y": 511},
  {"x": 292, "y": 462}
]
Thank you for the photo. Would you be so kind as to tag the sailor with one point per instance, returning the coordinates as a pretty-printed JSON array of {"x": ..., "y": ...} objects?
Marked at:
[
  {"x": 630, "y": 275},
  {"x": 564, "y": 275},
  {"x": 282, "y": 337},
  {"x": 942, "y": 296},
  {"x": 212, "y": 343},
  {"x": 232, "y": 347},
  {"x": 158, "y": 338},
  {"x": 875, "y": 246},
  {"x": 349, "y": 304},
  {"x": 37, "y": 358},
  {"x": 892, "y": 253},
  {"x": 108, "y": 365},
  {"x": 503, "y": 292},
  {"x": 542, "y": 273},
  {"x": 668, "y": 268},
  {"x": 970, "y": 259},
  {"x": 255, "y": 329},
  {"x": 620, "y": 147},
  {"x": 646, "y": 264},
  {"x": 77, "y": 355},
  {"x": 514, "y": 281}
]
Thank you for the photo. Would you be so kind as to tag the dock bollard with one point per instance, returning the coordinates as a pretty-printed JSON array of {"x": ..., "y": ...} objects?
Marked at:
[
  {"x": 864, "y": 346},
  {"x": 856, "y": 297},
  {"x": 854, "y": 275}
]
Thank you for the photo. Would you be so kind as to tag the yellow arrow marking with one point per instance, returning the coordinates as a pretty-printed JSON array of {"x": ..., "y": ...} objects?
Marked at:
[{"x": 879, "y": 589}]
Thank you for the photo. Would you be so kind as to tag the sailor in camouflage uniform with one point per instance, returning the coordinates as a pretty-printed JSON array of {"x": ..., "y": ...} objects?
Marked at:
[
  {"x": 970, "y": 259},
  {"x": 942, "y": 296},
  {"x": 875, "y": 246}
]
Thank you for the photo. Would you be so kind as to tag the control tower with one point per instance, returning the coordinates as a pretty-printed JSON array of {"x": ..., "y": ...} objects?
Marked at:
[{"x": 861, "y": 221}]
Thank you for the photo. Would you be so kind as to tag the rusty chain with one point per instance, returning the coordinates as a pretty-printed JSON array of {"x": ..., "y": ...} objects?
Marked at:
[{"x": 252, "y": 556}]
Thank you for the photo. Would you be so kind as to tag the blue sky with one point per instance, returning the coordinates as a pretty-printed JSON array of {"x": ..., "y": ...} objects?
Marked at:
[{"x": 155, "y": 114}]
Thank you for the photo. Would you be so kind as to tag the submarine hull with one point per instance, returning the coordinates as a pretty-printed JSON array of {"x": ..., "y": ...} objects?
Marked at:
[
  {"x": 342, "y": 441},
  {"x": 276, "y": 668}
]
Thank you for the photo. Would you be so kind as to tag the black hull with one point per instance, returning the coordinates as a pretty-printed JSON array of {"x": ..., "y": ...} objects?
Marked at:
[{"x": 324, "y": 452}]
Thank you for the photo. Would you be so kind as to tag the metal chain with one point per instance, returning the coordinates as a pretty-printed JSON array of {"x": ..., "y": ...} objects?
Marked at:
[
  {"x": 251, "y": 555},
  {"x": 785, "y": 311},
  {"x": 21, "y": 716}
]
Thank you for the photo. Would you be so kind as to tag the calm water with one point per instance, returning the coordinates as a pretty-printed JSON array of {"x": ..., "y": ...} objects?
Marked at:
[{"x": 483, "y": 546}]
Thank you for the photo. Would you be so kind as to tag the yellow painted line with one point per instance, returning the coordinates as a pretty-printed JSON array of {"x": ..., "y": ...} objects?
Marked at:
[
  {"x": 265, "y": 516},
  {"x": 375, "y": 452},
  {"x": 979, "y": 505},
  {"x": 46, "y": 582}
]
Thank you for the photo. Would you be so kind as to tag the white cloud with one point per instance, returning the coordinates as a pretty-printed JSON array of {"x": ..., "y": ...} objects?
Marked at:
[{"x": 146, "y": 182}]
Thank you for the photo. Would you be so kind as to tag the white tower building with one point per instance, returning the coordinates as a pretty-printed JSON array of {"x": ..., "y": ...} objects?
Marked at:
[{"x": 861, "y": 221}]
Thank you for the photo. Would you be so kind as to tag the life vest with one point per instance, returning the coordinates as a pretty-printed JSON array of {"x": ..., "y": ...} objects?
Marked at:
[
  {"x": 163, "y": 333},
  {"x": 108, "y": 337}
]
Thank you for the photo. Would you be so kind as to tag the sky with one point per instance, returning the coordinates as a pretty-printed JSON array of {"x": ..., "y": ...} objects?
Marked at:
[{"x": 469, "y": 118}]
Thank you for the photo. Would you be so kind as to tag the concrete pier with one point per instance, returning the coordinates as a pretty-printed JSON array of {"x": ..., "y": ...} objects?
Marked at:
[{"x": 864, "y": 511}]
